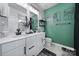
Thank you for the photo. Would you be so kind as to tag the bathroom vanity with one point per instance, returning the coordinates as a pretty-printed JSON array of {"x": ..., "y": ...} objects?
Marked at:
[{"x": 22, "y": 45}]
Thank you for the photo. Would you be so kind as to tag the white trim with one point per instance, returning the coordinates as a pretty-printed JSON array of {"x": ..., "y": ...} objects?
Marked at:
[{"x": 70, "y": 48}]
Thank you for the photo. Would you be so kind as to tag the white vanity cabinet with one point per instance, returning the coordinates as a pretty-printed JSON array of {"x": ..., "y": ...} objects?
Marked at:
[
  {"x": 28, "y": 45},
  {"x": 34, "y": 44},
  {"x": 14, "y": 48}
]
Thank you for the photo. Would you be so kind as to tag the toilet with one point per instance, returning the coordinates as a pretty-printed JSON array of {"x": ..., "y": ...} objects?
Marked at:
[{"x": 48, "y": 42}]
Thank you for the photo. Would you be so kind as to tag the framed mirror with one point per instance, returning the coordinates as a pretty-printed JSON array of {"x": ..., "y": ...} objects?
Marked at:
[
  {"x": 33, "y": 21},
  {"x": 21, "y": 22}
]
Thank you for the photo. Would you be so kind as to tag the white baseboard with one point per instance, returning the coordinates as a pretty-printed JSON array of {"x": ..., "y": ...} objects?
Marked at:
[
  {"x": 60, "y": 45},
  {"x": 57, "y": 48}
]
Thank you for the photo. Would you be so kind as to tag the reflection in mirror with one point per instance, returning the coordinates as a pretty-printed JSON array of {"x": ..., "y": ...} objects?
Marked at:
[
  {"x": 33, "y": 22},
  {"x": 21, "y": 22}
]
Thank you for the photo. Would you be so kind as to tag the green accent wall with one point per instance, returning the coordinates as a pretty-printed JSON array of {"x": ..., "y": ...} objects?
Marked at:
[
  {"x": 34, "y": 23},
  {"x": 60, "y": 23}
]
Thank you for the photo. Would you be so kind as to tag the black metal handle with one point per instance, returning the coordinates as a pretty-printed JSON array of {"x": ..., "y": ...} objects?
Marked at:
[
  {"x": 31, "y": 47},
  {"x": 24, "y": 50}
]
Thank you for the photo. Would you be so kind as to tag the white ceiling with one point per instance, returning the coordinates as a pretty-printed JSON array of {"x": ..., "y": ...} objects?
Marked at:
[
  {"x": 46, "y": 5},
  {"x": 42, "y": 6},
  {"x": 18, "y": 7}
]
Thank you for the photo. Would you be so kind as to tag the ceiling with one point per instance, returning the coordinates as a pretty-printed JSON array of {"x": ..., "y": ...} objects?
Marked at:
[
  {"x": 42, "y": 6},
  {"x": 37, "y": 6},
  {"x": 18, "y": 7}
]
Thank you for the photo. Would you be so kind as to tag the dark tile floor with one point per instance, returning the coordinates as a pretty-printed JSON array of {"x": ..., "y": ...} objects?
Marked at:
[
  {"x": 66, "y": 52},
  {"x": 46, "y": 52}
]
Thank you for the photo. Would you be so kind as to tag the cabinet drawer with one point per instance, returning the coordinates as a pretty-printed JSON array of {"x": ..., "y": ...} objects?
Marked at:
[
  {"x": 31, "y": 51},
  {"x": 30, "y": 41},
  {"x": 34, "y": 50},
  {"x": 12, "y": 45}
]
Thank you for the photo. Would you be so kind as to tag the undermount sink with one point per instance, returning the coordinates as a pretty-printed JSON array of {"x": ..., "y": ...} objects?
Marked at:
[{"x": 30, "y": 33}]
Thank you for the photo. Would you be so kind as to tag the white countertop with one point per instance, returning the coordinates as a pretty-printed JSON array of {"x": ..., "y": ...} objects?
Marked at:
[{"x": 16, "y": 37}]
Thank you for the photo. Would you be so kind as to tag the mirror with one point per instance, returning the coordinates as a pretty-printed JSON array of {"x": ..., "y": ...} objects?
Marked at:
[
  {"x": 33, "y": 21},
  {"x": 21, "y": 22}
]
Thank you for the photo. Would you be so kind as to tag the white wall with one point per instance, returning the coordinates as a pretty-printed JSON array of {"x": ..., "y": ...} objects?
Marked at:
[
  {"x": 4, "y": 12},
  {"x": 4, "y": 9}
]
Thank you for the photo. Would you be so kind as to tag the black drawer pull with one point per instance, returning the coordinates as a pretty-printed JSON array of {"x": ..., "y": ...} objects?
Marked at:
[
  {"x": 31, "y": 47},
  {"x": 24, "y": 50}
]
